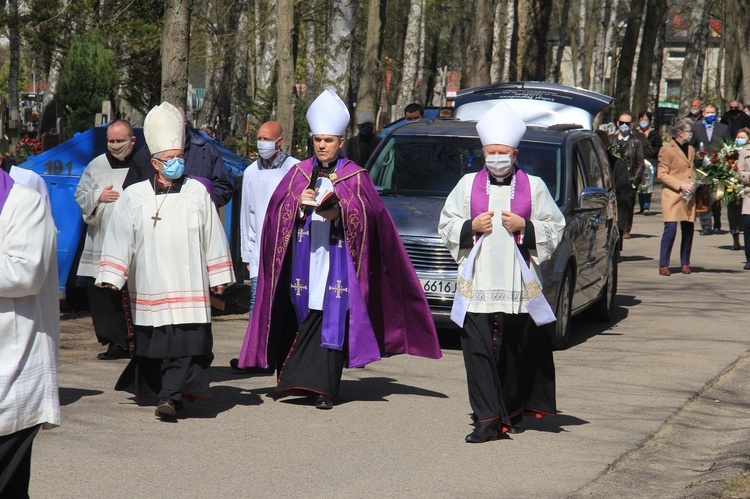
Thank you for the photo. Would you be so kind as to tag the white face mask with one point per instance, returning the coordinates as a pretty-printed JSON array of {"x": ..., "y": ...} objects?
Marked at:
[
  {"x": 267, "y": 148},
  {"x": 499, "y": 165}
]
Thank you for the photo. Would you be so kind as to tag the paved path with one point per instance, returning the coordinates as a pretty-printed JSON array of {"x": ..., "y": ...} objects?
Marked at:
[{"x": 399, "y": 429}]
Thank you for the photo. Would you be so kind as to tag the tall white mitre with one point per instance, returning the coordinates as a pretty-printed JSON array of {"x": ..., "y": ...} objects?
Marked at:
[
  {"x": 164, "y": 128},
  {"x": 502, "y": 126},
  {"x": 328, "y": 115}
]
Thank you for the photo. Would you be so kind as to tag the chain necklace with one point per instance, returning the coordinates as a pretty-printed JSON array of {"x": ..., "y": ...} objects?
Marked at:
[{"x": 156, "y": 217}]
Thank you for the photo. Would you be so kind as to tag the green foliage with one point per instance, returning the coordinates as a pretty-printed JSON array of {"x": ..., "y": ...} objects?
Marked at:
[
  {"x": 23, "y": 78},
  {"x": 87, "y": 78}
]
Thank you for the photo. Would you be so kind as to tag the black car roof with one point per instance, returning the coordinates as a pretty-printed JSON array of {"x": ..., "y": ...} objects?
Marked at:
[{"x": 443, "y": 127}]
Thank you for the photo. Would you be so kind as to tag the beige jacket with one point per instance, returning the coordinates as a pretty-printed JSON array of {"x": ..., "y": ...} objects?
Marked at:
[
  {"x": 743, "y": 173},
  {"x": 674, "y": 170}
]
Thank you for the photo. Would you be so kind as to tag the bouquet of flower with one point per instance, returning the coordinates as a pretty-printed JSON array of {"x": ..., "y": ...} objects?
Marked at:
[
  {"x": 717, "y": 170},
  {"x": 27, "y": 147}
]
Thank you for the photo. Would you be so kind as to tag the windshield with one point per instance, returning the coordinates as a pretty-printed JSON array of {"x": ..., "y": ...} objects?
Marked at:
[{"x": 432, "y": 165}]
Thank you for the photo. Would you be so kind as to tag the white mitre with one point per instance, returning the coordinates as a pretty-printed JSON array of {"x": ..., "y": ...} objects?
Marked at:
[
  {"x": 328, "y": 115},
  {"x": 164, "y": 128},
  {"x": 501, "y": 125}
]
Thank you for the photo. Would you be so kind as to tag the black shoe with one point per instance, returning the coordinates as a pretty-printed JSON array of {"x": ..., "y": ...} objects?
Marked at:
[
  {"x": 323, "y": 402},
  {"x": 747, "y": 266},
  {"x": 165, "y": 408},
  {"x": 113, "y": 353},
  {"x": 483, "y": 432},
  {"x": 515, "y": 429},
  {"x": 706, "y": 232},
  {"x": 235, "y": 364}
]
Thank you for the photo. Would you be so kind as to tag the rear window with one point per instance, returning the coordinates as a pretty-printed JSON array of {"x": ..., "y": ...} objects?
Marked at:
[{"x": 432, "y": 165}]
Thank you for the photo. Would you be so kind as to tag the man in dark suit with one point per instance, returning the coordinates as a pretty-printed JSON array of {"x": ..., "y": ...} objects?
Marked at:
[
  {"x": 735, "y": 118},
  {"x": 710, "y": 136}
]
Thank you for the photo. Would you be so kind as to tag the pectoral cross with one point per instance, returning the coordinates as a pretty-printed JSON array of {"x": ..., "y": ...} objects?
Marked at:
[
  {"x": 156, "y": 218},
  {"x": 299, "y": 287},
  {"x": 338, "y": 289},
  {"x": 302, "y": 233},
  {"x": 341, "y": 243}
]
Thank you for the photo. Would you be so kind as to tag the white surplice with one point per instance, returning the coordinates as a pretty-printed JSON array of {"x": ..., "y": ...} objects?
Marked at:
[
  {"x": 169, "y": 266},
  {"x": 97, "y": 175},
  {"x": 30, "y": 179},
  {"x": 258, "y": 185},
  {"x": 29, "y": 313},
  {"x": 497, "y": 284}
]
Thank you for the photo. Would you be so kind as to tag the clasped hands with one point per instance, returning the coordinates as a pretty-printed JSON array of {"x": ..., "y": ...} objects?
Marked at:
[{"x": 483, "y": 222}]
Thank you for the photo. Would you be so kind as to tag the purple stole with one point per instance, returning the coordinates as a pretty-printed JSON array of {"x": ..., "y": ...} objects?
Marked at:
[
  {"x": 6, "y": 183},
  {"x": 520, "y": 198}
]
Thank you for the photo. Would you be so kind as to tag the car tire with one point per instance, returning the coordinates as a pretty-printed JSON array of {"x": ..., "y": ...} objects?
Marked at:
[
  {"x": 601, "y": 311},
  {"x": 560, "y": 329}
]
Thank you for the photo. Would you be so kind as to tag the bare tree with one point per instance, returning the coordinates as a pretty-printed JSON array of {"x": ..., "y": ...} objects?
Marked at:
[
  {"x": 367, "y": 95},
  {"x": 533, "y": 25},
  {"x": 498, "y": 41},
  {"x": 266, "y": 61},
  {"x": 692, "y": 67},
  {"x": 624, "y": 78},
  {"x": 658, "y": 61},
  {"x": 14, "y": 38},
  {"x": 338, "y": 47},
  {"x": 285, "y": 82},
  {"x": 654, "y": 15},
  {"x": 562, "y": 41},
  {"x": 479, "y": 50},
  {"x": 175, "y": 51},
  {"x": 242, "y": 40},
  {"x": 411, "y": 55}
]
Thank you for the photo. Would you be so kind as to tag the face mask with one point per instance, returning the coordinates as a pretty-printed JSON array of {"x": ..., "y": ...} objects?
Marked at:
[
  {"x": 366, "y": 132},
  {"x": 499, "y": 165},
  {"x": 689, "y": 136},
  {"x": 267, "y": 148},
  {"x": 174, "y": 168},
  {"x": 695, "y": 112},
  {"x": 644, "y": 124},
  {"x": 120, "y": 150},
  {"x": 740, "y": 142},
  {"x": 709, "y": 119},
  {"x": 624, "y": 127}
]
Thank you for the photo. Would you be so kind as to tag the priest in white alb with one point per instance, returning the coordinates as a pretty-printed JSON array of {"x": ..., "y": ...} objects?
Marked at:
[
  {"x": 29, "y": 330},
  {"x": 502, "y": 222},
  {"x": 166, "y": 241}
]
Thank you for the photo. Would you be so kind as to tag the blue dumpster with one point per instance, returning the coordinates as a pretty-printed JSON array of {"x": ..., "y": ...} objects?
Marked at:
[{"x": 61, "y": 168}]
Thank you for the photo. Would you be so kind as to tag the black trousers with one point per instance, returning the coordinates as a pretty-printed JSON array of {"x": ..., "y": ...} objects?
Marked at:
[
  {"x": 746, "y": 233},
  {"x": 108, "y": 315},
  {"x": 15, "y": 462},
  {"x": 509, "y": 366}
]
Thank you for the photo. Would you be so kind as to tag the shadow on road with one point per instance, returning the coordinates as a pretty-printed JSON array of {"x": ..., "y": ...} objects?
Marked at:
[
  {"x": 72, "y": 395},
  {"x": 635, "y": 258},
  {"x": 552, "y": 424},
  {"x": 582, "y": 329},
  {"x": 378, "y": 388}
]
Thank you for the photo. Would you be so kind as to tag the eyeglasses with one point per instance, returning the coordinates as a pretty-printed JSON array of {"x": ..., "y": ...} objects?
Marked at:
[{"x": 626, "y": 122}]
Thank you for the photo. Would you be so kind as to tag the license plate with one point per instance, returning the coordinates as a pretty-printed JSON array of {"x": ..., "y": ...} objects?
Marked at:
[{"x": 438, "y": 286}]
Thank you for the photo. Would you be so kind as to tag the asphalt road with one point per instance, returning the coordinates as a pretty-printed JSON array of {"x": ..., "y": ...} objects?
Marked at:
[{"x": 399, "y": 428}]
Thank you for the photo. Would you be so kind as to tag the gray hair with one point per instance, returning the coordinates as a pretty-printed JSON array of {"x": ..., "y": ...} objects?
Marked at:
[{"x": 678, "y": 125}]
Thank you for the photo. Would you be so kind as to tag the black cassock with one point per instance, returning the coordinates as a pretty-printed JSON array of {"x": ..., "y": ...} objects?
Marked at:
[{"x": 509, "y": 367}]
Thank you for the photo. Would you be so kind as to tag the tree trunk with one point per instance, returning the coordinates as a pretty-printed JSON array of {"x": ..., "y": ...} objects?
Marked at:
[
  {"x": 656, "y": 67},
  {"x": 562, "y": 41},
  {"x": 653, "y": 17},
  {"x": 311, "y": 73},
  {"x": 479, "y": 55},
  {"x": 732, "y": 40},
  {"x": 533, "y": 25},
  {"x": 692, "y": 67},
  {"x": 510, "y": 36},
  {"x": 337, "y": 61},
  {"x": 601, "y": 53},
  {"x": 369, "y": 86},
  {"x": 266, "y": 24},
  {"x": 578, "y": 51},
  {"x": 285, "y": 82},
  {"x": 175, "y": 51},
  {"x": 498, "y": 41},
  {"x": 421, "y": 86},
  {"x": 624, "y": 78},
  {"x": 411, "y": 56},
  {"x": 14, "y": 37},
  {"x": 589, "y": 38},
  {"x": 239, "y": 77}
]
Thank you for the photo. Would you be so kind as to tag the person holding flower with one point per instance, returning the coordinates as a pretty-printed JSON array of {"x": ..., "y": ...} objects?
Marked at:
[
  {"x": 676, "y": 173},
  {"x": 734, "y": 206},
  {"x": 743, "y": 174}
]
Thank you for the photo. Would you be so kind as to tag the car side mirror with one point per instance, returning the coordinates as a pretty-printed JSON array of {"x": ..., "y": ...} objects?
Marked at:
[{"x": 593, "y": 198}]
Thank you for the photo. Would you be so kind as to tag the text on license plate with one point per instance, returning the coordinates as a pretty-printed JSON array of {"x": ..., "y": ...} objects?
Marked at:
[{"x": 438, "y": 286}]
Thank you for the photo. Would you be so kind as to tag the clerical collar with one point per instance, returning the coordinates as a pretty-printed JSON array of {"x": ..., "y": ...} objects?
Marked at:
[
  {"x": 264, "y": 164},
  {"x": 326, "y": 169},
  {"x": 501, "y": 181},
  {"x": 120, "y": 163},
  {"x": 161, "y": 188}
]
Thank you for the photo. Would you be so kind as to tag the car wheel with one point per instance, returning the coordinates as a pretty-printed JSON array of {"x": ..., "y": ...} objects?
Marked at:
[
  {"x": 601, "y": 311},
  {"x": 561, "y": 327}
]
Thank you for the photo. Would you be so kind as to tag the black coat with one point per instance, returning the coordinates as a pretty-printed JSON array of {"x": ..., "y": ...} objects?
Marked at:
[{"x": 700, "y": 137}]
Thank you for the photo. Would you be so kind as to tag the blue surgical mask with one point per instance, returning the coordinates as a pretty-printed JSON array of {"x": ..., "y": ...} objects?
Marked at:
[
  {"x": 709, "y": 119},
  {"x": 174, "y": 168},
  {"x": 624, "y": 127},
  {"x": 740, "y": 142},
  {"x": 644, "y": 124}
]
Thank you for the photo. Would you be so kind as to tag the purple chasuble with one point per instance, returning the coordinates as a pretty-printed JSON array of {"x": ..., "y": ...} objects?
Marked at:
[
  {"x": 520, "y": 198},
  {"x": 6, "y": 183},
  {"x": 387, "y": 309}
]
